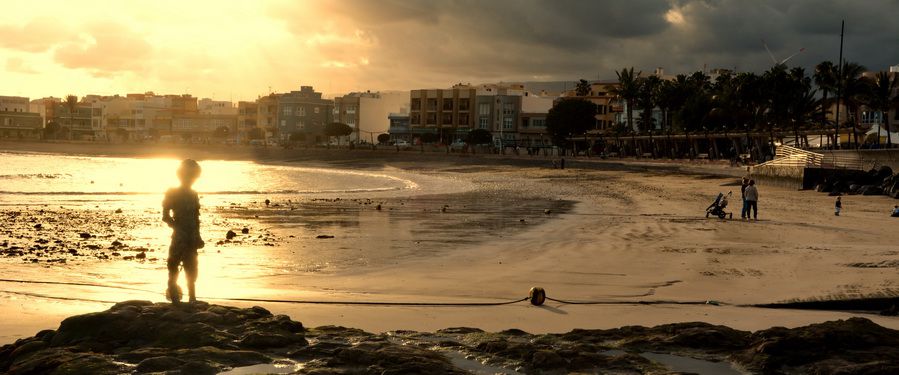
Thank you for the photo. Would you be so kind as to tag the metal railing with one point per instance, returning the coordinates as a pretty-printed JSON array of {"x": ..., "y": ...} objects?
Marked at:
[{"x": 788, "y": 156}]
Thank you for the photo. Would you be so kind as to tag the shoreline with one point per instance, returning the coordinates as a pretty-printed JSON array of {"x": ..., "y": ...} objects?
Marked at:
[{"x": 636, "y": 233}]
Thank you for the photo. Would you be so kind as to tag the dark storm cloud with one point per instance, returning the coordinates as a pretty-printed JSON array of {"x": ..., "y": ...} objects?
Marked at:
[{"x": 436, "y": 41}]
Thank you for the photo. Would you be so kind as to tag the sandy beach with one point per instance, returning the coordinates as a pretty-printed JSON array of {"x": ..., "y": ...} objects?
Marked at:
[{"x": 487, "y": 229}]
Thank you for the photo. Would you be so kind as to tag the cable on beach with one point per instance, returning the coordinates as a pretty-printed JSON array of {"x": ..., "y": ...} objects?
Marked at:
[
  {"x": 371, "y": 303},
  {"x": 536, "y": 297}
]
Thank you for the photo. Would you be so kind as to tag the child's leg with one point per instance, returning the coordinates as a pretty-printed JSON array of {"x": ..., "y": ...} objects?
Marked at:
[
  {"x": 173, "y": 292},
  {"x": 190, "y": 272}
]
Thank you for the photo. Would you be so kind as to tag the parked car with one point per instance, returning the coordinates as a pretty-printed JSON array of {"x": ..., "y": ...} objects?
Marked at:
[
  {"x": 458, "y": 145},
  {"x": 402, "y": 144}
]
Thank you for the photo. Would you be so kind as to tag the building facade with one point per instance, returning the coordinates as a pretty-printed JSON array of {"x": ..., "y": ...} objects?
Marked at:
[
  {"x": 399, "y": 127},
  {"x": 247, "y": 117},
  {"x": 16, "y": 121},
  {"x": 303, "y": 111},
  {"x": 368, "y": 112},
  {"x": 446, "y": 112}
]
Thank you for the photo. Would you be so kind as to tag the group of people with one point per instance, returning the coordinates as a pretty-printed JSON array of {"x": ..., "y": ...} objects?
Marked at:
[{"x": 751, "y": 201}]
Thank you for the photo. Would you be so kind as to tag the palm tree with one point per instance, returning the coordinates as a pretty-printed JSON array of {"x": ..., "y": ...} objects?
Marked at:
[
  {"x": 71, "y": 105},
  {"x": 855, "y": 91},
  {"x": 882, "y": 99},
  {"x": 583, "y": 88},
  {"x": 646, "y": 99},
  {"x": 628, "y": 90},
  {"x": 826, "y": 80}
]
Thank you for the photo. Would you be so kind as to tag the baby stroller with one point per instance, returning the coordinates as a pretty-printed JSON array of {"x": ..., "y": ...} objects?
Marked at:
[{"x": 717, "y": 207}]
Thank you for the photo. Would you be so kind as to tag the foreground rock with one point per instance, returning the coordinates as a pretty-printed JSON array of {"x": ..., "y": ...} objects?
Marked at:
[{"x": 199, "y": 338}]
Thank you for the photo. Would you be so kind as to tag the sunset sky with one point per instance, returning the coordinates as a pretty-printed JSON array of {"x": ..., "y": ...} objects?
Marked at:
[{"x": 238, "y": 49}]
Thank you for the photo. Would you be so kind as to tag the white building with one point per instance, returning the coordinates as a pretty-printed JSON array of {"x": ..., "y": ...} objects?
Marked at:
[{"x": 367, "y": 112}]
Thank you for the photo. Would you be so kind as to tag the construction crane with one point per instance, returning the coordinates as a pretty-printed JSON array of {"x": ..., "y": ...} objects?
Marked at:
[{"x": 781, "y": 62}]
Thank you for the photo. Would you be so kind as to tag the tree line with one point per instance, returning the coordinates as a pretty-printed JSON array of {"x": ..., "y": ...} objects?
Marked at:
[{"x": 779, "y": 100}]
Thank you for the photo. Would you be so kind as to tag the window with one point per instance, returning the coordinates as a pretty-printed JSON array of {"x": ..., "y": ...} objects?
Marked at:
[
  {"x": 538, "y": 122},
  {"x": 463, "y": 119},
  {"x": 463, "y": 104},
  {"x": 507, "y": 123},
  {"x": 448, "y": 104},
  {"x": 524, "y": 122},
  {"x": 317, "y": 110},
  {"x": 301, "y": 125},
  {"x": 484, "y": 109},
  {"x": 415, "y": 118},
  {"x": 482, "y": 123},
  {"x": 301, "y": 111},
  {"x": 286, "y": 111},
  {"x": 432, "y": 118},
  {"x": 432, "y": 104},
  {"x": 447, "y": 119},
  {"x": 508, "y": 109},
  {"x": 416, "y": 104},
  {"x": 283, "y": 123},
  {"x": 350, "y": 109}
]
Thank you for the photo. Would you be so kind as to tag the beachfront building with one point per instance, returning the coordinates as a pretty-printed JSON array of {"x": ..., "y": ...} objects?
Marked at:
[
  {"x": 607, "y": 103},
  {"x": 447, "y": 112},
  {"x": 399, "y": 127},
  {"x": 75, "y": 120},
  {"x": 247, "y": 120},
  {"x": 303, "y": 111},
  {"x": 209, "y": 106},
  {"x": 503, "y": 110},
  {"x": 367, "y": 112},
  {"x": 202, "y": 127},
  {"x": 267, "y": 114},
  {"x": 44, "y": 107},
  {"x": 16, "y": 121}
]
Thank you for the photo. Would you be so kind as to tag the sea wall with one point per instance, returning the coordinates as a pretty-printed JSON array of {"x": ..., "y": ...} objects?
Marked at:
[
  {"x": 778, "y": 175},
  {"x": 879, "y": 157}
]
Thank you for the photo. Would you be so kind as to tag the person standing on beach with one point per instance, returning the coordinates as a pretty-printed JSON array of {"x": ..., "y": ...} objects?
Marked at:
[
  {"x": 743, "y": 186},
  {"x": 838, "y": 207},
  {"x": 751, "y": 194},
  {"x": 181, "y": 211}
]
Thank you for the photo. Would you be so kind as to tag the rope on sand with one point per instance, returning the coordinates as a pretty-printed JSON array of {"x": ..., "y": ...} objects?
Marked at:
[{"x": 534, "y": 299}]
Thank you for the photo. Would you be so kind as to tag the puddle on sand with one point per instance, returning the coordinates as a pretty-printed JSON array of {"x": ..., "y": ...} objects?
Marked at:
[
  {"x": 679, "y": 363},
  {"x": 281, "y": 366}
]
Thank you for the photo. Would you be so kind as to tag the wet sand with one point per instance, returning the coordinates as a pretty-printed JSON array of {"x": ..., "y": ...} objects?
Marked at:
[{"x": 620, "y": 233}]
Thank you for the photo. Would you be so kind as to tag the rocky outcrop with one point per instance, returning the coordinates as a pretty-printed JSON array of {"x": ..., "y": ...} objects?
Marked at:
[{"x": 199, "y": 338}]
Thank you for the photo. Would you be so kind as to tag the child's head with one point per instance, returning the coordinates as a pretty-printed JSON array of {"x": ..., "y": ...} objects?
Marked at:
[
  {"x": 838, "y": 198},
  {"x": 751, "y": 182},
  {"x": 188, "y": 172}
]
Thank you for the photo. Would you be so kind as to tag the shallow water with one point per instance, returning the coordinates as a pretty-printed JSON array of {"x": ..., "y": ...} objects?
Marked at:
[
  {"x": 117, "y": 200},
  {"x": 78, "y": 178}
]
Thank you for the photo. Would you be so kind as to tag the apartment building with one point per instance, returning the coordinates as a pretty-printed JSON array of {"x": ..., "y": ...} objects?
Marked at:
[
  {"x": 608, "y": 105},
  {"x": 247, "y": 119},
  {"x": 367, "y": 112},
  {"x": 303, "y": 111},
  {"x": 447, "y": 111},
  {"x": 507, "y": 111},
  {"x": 16, "y": 121}
]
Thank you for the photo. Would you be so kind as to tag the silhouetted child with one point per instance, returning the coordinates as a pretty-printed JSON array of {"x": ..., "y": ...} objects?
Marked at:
[
  {"x": 181, "y": 211},
  {"x": 838, "y": 207}
]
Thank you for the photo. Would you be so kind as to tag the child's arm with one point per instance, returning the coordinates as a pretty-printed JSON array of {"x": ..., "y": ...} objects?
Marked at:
[{"x": 166, "y": 210}]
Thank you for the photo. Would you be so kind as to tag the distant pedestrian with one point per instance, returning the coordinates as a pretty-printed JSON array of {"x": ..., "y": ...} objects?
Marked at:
[
  {"x": 751, "y": 195},
  {"x": 837, "y": 207},
  {"x": 743, "y": 185}
]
